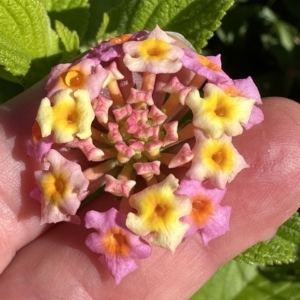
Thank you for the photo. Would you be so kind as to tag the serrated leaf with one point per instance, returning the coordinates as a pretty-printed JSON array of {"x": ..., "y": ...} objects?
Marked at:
[
  {"x": 288, "y": 272},
  {"x": 282, "y": 248},
  {"x": 237, "y": 281},
  {"x": 72, "y": 13},
  {"x": 196, "y": 20},
  {"x": 25, "y": 35},
  {"x": 70, "y": 39}
]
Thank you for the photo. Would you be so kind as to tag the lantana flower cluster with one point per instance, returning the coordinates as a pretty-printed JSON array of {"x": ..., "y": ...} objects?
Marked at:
[{"x": 154, "y": 122}]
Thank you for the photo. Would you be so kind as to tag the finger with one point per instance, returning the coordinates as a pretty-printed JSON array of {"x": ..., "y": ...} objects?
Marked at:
[
  {"x": 262, "y": 197},
  {"x": 18, "y": 213}
]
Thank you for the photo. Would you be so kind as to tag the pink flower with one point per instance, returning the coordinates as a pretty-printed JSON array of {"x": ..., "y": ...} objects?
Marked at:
[
  {"x": 206, "y": 66},
  {"x": 61, "y": 188},
  {"x": 86, "y": 74},
  {"x": 38, "y": 146},
  {"x": 117, "y": 245},
  {"x": 241, "y": 87},
  {"x": 207, "y": 217},
  {"x": 245, "y": 88},
  {"x": 111, "y": 49}
]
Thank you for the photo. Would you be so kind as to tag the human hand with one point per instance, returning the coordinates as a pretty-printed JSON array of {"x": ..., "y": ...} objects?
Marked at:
[{"x": 52, "y": 262}]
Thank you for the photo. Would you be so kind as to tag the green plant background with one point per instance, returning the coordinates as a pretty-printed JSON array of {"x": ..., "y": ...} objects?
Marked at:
[{"x": 256, "y": 38}]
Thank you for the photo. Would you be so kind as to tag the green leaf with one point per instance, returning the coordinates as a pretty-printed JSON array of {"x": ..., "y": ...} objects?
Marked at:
[
  {"x": 7, "y": 75},
  {"x": 69, "y": 38},
  {"x": 103, "y": 27},
  {"x": 227, "y": 282},
  {"x": 27, "y": 42},
  {"x": 97, "y": 11},
  {"x": 237, "y": 281},
  {"x": 196, "y": 20},
  {"x": 288, "y": 272},
  {"x": 286, "y": 34},
  {"x": 72, "y": 13},
  {"x": 282, "y": 248}
]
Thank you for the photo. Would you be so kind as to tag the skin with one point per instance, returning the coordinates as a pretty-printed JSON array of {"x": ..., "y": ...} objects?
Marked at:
[{"x": 52, "y": 262}]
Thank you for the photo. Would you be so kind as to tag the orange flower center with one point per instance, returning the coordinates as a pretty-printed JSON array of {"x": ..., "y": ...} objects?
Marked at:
[
  {"x": 220, "y": 111},
  {"x": 230, "y": 90},
  {"x": 208, "y": 63},
  {"x": 120, "y": 39},
  {"x": 74, "y": 79},
  {"x": 202, "y": 209},
  {"x": 218, "y": 157},
  {"x": 116, "y": 243}
]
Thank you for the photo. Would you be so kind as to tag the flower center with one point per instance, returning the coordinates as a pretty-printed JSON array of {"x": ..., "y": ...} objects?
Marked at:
[
  {"x": 208, "y": 63},
  {"x": 74, "y": 79},
  {"x": 230, "y": 90},
  {"x": 160, "y": 210},
  {"x": 116, "y": 243},
  {"x": 218, "y": 157},
  {"x": 220, "y": 111},
  {"x": 155, "y": 49},
  {"x": 202, "y": 209},
  {"x": 66, "y": 115},
  {"x": 72, "y": 116},
  {"x": 54, "y": 187},
  {"x": 120, "y": 39},
  {"x": 59, "y": 185},
  {"x": 224, "y": 107}
]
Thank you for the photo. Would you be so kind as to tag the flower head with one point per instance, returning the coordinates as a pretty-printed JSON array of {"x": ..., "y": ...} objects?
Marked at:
[
  {"x": 116, "y": 244},
  {"x": 145, "y": 112},
  {"x": 61, "y": 187}
]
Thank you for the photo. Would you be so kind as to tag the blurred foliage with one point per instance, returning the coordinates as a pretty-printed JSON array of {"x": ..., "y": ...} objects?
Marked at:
[{"x": 262, "y": 39}]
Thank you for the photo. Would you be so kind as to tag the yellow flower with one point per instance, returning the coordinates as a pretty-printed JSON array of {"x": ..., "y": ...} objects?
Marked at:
[
  {"x": 218, "y": 113},
  {"x": 156, "y": 54},
  {"x": 159, "y": 213},
  {"x": 215, "y": 159},
  {"x": 71, "y": 115}
]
